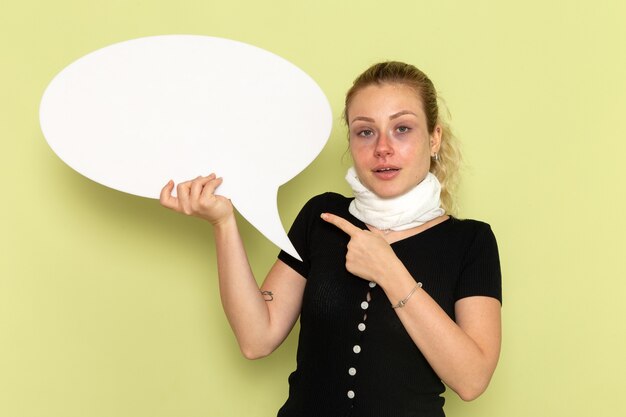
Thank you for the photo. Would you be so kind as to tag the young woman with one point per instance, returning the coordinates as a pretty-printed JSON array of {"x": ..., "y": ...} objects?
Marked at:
[{"x": 394, "y": 294}]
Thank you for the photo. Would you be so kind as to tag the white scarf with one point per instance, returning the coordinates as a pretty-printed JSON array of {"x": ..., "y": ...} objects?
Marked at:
[{"x": 414, "y": 208}]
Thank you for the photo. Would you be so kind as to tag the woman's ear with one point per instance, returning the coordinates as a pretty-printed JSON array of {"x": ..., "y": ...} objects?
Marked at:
[{"x": 435, "y": 140}]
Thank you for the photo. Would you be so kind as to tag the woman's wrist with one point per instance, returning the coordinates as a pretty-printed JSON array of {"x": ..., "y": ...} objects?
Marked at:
[
  {"x": 390, "y": 273},
  {"x": 223, "y": 224},
  {"x": 397, "y": 282}
]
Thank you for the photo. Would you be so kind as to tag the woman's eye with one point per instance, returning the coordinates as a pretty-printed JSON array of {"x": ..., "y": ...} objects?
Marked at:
[
  {"x": 365, "y": 133},
  {"x": 403, "y": 129}
]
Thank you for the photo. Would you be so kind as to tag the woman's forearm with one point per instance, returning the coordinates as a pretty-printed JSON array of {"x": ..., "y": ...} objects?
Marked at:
[
  {"x": 260, "y": 325},
  {"x": 464, "y": 353},
  {"x": 243, "y": 303}
]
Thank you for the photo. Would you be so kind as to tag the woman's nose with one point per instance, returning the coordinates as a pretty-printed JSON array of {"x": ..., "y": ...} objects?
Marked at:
[{"x": 383, "y": 146}]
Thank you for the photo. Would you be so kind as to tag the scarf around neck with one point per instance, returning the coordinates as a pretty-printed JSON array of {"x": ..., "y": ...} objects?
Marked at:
[{"x": 411, "y": 209}]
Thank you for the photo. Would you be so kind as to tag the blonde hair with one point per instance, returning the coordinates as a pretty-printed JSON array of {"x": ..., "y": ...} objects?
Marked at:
[{"x": 446, "y": 166}]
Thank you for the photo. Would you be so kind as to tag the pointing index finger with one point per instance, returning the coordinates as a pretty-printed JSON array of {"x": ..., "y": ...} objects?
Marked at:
[{"x": 341, "y": 223}]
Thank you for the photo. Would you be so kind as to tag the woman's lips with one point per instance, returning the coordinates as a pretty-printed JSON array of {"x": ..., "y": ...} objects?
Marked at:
[{"x": 386, "y": 173}]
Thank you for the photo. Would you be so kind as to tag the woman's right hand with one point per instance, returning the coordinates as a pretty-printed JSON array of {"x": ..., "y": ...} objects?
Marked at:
[{"x": 197, "y": 198}]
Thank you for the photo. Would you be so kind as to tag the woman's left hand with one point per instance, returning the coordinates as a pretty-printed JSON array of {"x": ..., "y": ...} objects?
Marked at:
[{"x": 369, "y": 255}]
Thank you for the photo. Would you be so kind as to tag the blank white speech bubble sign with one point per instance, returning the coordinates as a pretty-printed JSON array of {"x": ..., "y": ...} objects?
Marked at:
[{"x": 135, "y": 114}]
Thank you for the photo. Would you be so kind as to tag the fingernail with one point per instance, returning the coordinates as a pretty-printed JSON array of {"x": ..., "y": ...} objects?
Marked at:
[{"x": 324, "y": 216}]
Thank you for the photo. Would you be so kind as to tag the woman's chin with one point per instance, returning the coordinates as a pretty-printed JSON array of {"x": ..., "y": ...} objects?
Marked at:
[{"x": 388, "y": 192}]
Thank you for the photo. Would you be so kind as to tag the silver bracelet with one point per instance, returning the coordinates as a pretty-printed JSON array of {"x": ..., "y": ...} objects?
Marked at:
[{"x": 402, "y": 303}]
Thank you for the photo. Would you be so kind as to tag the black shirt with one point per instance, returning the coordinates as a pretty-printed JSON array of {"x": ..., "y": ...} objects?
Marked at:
[{"x": 354, "y": 356}]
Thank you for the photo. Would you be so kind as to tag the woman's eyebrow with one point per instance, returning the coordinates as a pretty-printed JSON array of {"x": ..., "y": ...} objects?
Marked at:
[
  {"x": 393, "y": 116},
  {"x": 365, "y": 119},
  {"x": 401, "y": 113}
]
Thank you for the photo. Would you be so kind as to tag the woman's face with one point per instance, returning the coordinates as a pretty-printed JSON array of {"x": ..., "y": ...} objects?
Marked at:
[{"x": 389, "y": 139}]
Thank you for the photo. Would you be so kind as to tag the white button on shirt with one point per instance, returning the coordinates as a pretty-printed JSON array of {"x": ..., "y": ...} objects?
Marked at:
[
  {"x": 372, "y": 284},
  {"x": 350, "y": 394},
  {"x": 364, "y": 305},
  {"x": 356, "y": 349},
  {"x": 352, "y": 371},
  {"x": 361, "y": 327}
]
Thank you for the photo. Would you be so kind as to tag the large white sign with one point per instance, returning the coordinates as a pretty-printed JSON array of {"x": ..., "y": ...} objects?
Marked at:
[{"x": 133, "y": 115}]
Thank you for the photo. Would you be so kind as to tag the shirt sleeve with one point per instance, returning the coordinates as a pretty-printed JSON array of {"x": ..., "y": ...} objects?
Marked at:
[
  {"x": 299, "y": 235},
  {"x": 481, "y": 274}
]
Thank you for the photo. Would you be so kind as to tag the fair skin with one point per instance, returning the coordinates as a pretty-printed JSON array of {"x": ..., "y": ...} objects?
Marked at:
[
  {"x": 391, "y": 148},
  {"x": 389, "y": 140}
]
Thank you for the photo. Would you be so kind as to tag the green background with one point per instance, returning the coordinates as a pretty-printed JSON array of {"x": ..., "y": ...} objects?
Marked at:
[{"x": 109, "y": 304}]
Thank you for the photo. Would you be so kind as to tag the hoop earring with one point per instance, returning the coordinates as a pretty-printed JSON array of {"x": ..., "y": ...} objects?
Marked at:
[{"x": 435, "y": 157}]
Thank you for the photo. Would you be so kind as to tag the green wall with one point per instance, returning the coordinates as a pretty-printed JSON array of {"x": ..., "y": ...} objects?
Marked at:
[{"x": 109, "y": 304}]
